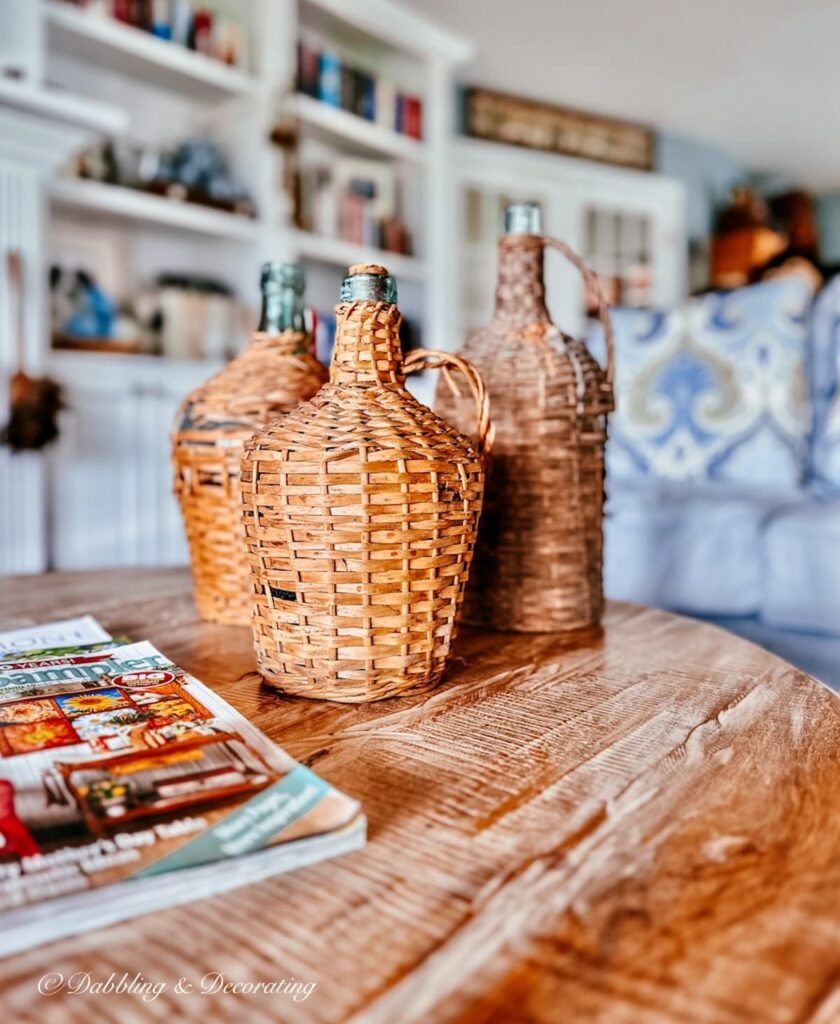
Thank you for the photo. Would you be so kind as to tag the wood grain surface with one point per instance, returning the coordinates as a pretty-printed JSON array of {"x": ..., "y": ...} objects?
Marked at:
[{"x": 645, "y": 829}]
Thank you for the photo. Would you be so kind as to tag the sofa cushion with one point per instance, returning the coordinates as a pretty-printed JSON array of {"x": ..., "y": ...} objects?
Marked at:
[
  {"x": 802, "y": 568},
  {"x": 696, "y": 552},
  {"x": 825, "y": 385},
  {"x": 714, "y": 390}
]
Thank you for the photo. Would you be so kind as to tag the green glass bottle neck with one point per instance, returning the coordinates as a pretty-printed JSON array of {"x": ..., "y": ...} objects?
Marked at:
[{"x": 282, "y": 310}]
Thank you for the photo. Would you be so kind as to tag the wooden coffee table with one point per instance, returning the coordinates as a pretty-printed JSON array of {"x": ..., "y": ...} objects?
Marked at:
[{"x": 644, "y": 829}]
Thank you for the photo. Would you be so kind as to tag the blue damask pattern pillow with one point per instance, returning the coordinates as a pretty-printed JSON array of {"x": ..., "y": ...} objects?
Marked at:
[
  {"x": 714, "y": 390},
  {"x": 825, "y": 385}
]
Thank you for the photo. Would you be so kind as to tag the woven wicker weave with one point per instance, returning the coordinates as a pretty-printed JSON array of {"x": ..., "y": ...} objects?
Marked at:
[
  {"x": 538, "y": 562},
  {"x": 361, "y": 510},
  {"x": 274, "y": 374}
]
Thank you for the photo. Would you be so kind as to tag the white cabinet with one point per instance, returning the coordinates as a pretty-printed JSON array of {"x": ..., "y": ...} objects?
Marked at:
[
  {"x": 110, "y": 475},
  {"x": 487, "y": 175}
]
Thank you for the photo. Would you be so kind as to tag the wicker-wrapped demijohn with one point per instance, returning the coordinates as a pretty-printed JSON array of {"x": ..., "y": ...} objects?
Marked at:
[
  {"x": 361, "y": 509},
  {"x": 538, "y": 561},
  {"x": 276, "y": 372}
]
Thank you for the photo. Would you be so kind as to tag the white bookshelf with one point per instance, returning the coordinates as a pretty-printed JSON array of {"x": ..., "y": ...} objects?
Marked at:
[
  {"x": 97, "y": 54},
  {"x": 336, "y": 252},
  {"x": 398, "y": 45},
  {"x": 353, "y": 132},
  {"x": 116, "y": 203},
  {"x": 121, "y": 48},
  {"x": 34, "y": 102},
  {"x": 391, "y": 24},
  {"x": 109, "y": 78}
]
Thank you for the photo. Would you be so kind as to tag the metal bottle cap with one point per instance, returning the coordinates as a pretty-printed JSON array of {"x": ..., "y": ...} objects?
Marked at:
[{"x": 523, "y": 219}]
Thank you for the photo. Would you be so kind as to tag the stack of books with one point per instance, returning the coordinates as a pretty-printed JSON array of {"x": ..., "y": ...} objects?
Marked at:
[
  {"x": 323, "y": 75},
  {"x": 353, "y": 199},
  {"x": 128, "y": 786},
  {"x": 189, "y": 23}
]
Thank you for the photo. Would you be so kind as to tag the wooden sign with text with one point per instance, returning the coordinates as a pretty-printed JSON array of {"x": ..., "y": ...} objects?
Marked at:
[{"x": 523, "y": 122}]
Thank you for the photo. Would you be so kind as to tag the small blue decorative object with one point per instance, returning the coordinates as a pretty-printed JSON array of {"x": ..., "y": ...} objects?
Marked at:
[
  {"x": 95, "y": 313},
  {"x": 200, "y": 164}
]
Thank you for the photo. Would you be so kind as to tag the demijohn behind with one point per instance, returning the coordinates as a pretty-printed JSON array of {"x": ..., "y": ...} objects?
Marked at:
[
  {"x": 361, "y": 509},
  {"x": 275, "y": 372},
  {"x": 538, "y": 560}
]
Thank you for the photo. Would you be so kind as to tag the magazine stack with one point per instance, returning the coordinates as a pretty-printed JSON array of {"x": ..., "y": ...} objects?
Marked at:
[{"x": 126, "y": 785}]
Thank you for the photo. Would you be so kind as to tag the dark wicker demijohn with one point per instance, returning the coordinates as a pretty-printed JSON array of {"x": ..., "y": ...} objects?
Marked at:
[
  {"x": 275, "y": 372},
  {"x": 361, "y": 509},
  {"x": 538, "y": 561}
]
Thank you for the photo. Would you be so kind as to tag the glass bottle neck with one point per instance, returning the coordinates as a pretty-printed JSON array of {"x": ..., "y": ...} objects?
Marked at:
[
  {"x": 282, "y": 310},
  {"x": 520, "y": 286},
  {"x": 367, "y": 347}
]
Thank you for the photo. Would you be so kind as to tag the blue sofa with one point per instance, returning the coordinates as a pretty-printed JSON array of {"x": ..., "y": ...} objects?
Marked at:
[{"x": 723, "y": 467}]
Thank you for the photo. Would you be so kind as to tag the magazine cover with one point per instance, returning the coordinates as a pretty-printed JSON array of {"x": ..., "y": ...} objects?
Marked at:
[
  {"x": 64, "y": 652},
  {"x": 52, "y": 635},
  {"x": 116, "y": 766}
]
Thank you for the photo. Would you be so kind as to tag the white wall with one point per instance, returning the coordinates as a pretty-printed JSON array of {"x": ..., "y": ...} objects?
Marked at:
[{"x": 707, "y": 173}]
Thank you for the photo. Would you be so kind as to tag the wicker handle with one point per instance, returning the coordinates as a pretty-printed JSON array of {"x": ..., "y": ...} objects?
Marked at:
[
  {"x": 432, "y": 359},
  {"x": 592, "y": 282}
]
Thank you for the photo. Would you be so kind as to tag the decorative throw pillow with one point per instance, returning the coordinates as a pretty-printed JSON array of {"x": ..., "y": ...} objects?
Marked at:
[
  {"x": 714, "y": 390},
  {"x": 825, "y": 385}
]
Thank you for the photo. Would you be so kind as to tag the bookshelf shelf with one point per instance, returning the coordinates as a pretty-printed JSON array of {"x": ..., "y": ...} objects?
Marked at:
[
  {"x": 358, "y": 134},
  {"x": 106, "y": 43},
  {"x": 57, "y": 106},
  {"x": 409, "y": 32},
  {"x": 118, "y": 203},
  {"x": 337, "y": 252}
]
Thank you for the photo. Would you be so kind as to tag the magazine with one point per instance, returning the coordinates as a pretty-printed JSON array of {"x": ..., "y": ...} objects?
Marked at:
[
  {"x": 126, "y": 786},
  {"x": 66, "y": 633}
]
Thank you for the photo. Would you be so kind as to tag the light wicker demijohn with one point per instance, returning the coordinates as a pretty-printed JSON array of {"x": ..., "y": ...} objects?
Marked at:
[
  {"x": 538, "y": 561},
  {"x": 361, "y": 509},
  {"x": 275, "y": 372}
]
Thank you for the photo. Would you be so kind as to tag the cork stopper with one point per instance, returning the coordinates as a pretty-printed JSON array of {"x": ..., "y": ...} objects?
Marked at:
[
  {"x": 369, "y": 282},
  {"x": 368, "y": 268}
]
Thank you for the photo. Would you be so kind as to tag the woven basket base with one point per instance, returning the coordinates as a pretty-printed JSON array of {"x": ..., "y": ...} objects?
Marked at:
[
  {"x": 572, "y": 636},
  {"x": 291, "y": 687}
]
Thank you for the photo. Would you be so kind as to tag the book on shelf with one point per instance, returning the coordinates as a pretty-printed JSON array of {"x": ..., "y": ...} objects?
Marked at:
[
  {"x": 188, "y": 23},
  {"x": 323, "y": 75},
  {"x": 356, "y": 200},
  {"x": 129, "y": 786}
]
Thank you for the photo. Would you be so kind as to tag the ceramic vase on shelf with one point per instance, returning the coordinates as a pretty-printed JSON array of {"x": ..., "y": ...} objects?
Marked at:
[
  {"x": 361, "y": 509},
  {"x": 538, "y": 561},
  {"x": 273, "y": 375}
]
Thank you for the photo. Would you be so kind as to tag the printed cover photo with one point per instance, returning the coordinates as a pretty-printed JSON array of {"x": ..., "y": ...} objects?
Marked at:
[{"x": 116, "y": 764}]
